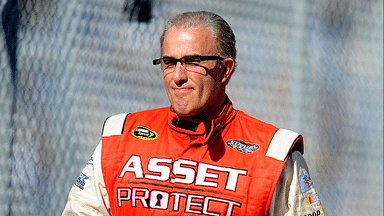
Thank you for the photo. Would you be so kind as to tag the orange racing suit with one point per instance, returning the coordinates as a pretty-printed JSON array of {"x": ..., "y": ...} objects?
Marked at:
[{"x": 154, "y": 163}]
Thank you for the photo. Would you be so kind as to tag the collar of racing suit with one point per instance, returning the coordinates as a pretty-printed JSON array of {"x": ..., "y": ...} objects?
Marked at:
[{"x": 195, "y": 127}]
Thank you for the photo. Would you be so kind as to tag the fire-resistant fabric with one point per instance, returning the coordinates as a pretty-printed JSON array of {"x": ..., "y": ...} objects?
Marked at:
[{"x": 154, "y": 163}]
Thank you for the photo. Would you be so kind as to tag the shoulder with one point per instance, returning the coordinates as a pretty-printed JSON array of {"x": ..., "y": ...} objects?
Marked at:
[
  {"x": 281, "y": 142},
  {"x": 114, "y": 125},
  {"x": 254, "y": 127},
  {"x": 252, "y": 121}
]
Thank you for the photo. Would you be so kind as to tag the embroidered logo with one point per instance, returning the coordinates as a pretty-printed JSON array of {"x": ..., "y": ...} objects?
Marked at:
[
  {"x": 241, "y": 146},
  {"x": 312, "y": 199},
  {"x": 90, "y": 163},
  {"x": 305, "y": 183},
  {"x": 80, "y": 181},
  {"x": 144, "y": 133}
]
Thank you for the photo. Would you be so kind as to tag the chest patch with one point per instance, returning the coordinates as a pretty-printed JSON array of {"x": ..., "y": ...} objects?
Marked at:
[
  {"x": 144, "y": 133},
  {"x": 241, "y": 146}
]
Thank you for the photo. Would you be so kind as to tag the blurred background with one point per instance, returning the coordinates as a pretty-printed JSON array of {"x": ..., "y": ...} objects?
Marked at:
[{"x": 312, "y": 66}]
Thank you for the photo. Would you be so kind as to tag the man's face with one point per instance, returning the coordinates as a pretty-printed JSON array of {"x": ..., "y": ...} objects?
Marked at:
[{"x": 199, "y": 92}]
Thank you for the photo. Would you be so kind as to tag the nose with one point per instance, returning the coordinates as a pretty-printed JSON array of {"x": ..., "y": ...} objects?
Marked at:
[{"x": 180, "y": 75}]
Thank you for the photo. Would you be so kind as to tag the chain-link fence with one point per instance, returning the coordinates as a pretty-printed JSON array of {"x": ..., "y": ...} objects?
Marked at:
[{"x": 313, "y": 66}]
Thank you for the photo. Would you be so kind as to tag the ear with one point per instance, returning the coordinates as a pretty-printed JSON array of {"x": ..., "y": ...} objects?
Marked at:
[{"x": 227, "y": 69}]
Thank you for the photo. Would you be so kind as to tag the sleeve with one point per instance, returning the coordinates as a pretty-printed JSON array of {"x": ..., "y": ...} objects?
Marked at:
[
  {"x": 89, "y": 196},
  {"x": 295, "y": 193}
]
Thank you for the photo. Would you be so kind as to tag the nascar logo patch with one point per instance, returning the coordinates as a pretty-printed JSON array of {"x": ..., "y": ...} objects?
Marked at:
[
  {"x": 144, "y": 133},
  {"x": 241, "y": 146}
]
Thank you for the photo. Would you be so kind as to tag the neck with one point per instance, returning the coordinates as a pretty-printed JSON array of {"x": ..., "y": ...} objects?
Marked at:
[{"x": 210, "y": 114}]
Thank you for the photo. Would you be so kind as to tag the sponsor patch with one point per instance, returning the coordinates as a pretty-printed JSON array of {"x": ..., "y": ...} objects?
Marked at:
[
  {"x": 316, "y": 213},
  {"x": 305, "y": 183},
  {"x": 311, "y": 199},
  {"x": 241, "y": 146},
  {"x": 144, "y": 133},
  {"x": 80, "y": 181},
  {"x": 90, "y": 163}
]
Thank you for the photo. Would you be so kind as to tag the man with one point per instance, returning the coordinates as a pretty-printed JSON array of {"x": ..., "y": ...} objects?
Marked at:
[{"x": 199, "y": 156}]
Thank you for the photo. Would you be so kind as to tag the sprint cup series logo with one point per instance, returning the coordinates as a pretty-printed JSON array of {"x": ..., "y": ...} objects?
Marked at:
[
  {"x": 144, "y": 133},
  {"x": 241, "y": 146}
]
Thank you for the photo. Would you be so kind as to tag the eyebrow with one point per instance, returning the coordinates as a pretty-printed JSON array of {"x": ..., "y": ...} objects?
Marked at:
[{"x": 183, "y": 56}]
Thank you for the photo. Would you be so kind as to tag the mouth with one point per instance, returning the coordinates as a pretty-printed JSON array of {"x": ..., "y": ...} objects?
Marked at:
[{"x": 182, "y": 90}]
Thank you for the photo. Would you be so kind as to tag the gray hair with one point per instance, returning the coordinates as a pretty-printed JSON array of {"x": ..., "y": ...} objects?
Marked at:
[{"x": 221, "y": 31}]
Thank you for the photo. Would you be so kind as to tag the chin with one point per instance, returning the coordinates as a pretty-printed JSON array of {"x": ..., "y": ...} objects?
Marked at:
[{"x": 185, "y": 112}]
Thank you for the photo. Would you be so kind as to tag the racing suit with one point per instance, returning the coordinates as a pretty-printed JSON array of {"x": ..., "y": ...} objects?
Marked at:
[{"x": 154, "y": 163}]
